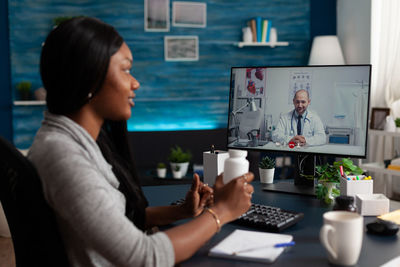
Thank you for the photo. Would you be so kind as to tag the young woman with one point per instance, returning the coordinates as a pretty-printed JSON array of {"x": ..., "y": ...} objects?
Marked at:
[{"x": 92, "y": 187}]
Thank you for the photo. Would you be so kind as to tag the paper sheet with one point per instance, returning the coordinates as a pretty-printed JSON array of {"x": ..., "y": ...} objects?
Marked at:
[
  {"x": 395, "y": 262},
  {"x": 241, "y": 240}
]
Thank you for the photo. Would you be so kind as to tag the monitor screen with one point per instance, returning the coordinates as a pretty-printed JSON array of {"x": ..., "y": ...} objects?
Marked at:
[{"x": 307, "y": 109}]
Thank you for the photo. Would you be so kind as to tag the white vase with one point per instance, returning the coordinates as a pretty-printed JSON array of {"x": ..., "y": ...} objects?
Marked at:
[
  {"x": 267, "y": 175},
  {"x": 161, "y": 173},
  {"x": 273, "y": 35},
  {"x": 390, "y": 126},
  {"x": 177, "y": 174},
  {"x": 247, "y": 35},
  {"x": 183, "y": 167}
]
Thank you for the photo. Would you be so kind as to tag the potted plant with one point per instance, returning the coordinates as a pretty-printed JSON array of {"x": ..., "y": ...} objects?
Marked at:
[
  {"x": 267, "y": 170},
  {"x": 328, "y": 177},
  {"x": 397, "y": 122},
  {"x": 161, "y": 170},
  {"x": 176, "y": 172},
  {"x": 178, "y": 157},
  {"x": 24, "y": 90}
]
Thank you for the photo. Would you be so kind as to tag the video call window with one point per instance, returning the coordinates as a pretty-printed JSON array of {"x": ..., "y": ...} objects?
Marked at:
[{"x": 312, "y": 109}]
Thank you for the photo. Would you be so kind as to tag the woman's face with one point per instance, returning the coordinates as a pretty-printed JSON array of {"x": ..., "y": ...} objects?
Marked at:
[{"x": 115, "y": 99}]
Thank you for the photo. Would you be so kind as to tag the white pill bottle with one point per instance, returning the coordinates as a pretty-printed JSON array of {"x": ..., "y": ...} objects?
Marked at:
[{"x": 236, "y": 165}]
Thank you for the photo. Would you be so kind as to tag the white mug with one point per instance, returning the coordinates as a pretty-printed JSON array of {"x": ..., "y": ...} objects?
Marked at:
[{"x": 342, "y": 235}]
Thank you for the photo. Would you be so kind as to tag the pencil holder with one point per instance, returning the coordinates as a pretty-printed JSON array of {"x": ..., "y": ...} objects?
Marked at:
[{"x": 354, "y": 185}]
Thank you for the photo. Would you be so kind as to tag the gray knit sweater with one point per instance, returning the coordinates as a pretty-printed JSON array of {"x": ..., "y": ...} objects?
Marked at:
[{"x": 82, "y": 189}]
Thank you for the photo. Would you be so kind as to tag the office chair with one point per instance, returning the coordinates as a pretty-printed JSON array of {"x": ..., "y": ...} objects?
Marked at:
[{"x": 32, "y": 223}]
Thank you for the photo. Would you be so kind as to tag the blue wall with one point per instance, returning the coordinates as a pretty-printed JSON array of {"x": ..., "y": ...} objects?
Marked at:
[
  {"x": 5, "y": 93},
  {"x": 173, "y": 95}
]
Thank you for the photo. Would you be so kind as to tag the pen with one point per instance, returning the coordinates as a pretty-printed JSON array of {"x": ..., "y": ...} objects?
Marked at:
[
  {"x": 342, "y": 173},
  {"x": 278, "y": 245}
]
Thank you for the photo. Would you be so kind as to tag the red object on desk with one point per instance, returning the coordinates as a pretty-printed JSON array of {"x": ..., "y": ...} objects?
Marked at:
[{"x": 292, "y": 144}]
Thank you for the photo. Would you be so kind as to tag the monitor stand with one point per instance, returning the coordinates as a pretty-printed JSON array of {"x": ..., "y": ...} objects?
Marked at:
[
  {"x": 300, "y": 185},
  {"x": 305, "y": 167},
  {"x": 288, "y": 186}
]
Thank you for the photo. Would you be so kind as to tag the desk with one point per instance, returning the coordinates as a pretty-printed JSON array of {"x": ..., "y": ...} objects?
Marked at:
[
  {"x": 308, "y": 250},
  {"x": 327, "y": 148}
]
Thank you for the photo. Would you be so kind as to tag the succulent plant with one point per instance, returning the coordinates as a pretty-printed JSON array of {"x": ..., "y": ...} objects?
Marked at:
[{"x": 267, "y": 163}]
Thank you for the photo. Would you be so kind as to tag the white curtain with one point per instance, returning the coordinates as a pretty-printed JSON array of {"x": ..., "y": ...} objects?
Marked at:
[
  {"x": 385, "y": 54},
  {"x": 385, "y": 84}
]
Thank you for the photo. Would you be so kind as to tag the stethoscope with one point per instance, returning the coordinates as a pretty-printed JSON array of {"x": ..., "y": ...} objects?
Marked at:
[{"x": 291, "y": 123}]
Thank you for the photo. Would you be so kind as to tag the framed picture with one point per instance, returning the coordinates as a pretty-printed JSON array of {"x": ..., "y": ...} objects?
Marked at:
[
  {"x": 156, "y": 15},
  {"x": 189, "y": 14},
  {"x": 181, "y": 48},
  {"x": 378, "y": 118}
]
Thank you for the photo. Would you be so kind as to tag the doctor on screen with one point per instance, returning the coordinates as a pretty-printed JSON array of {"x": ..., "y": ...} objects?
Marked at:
[{"x": 301, "y": 125}]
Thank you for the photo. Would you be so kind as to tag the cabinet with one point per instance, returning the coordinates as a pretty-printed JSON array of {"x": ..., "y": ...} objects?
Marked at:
[
  {"x": 383, "y": 177},
  {"x": 380, "y": 166}
]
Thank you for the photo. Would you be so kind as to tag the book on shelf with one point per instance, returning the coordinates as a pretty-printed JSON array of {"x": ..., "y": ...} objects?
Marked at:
[
  {"x": 253, "y": 29},
  {"x": 259, "y": 28},
  {"x": 267, "y": 39},
  {"x": 266, "y": 28}
]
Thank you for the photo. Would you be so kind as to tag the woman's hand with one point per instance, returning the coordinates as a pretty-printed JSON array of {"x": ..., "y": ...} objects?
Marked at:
[
  {"x": 199, "y": 196},
  {"x": 234, "y": 198}
]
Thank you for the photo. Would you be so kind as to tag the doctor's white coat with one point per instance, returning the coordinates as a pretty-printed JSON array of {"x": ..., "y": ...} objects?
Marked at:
[{"x": 313, "y": 129}]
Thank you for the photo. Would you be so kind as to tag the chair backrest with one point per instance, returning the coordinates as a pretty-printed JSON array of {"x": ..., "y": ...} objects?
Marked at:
[{"x": 32, "y": 223}]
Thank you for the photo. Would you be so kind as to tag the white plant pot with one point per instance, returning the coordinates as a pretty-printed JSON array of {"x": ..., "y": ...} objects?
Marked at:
[
  {"x": 161, "y": 173},
  {"x": 398, "y": 129},
  {"x": 183, "y": 167},
  {"x": 267, "y": 175},
  {"x": 177, "y": 174}
]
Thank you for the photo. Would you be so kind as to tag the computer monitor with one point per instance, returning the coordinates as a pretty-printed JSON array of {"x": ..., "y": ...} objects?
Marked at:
[{"x": 265, "y": 104}]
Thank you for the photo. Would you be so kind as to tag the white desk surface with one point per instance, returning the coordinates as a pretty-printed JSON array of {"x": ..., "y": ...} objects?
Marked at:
[{"x": 328, "y": 148}]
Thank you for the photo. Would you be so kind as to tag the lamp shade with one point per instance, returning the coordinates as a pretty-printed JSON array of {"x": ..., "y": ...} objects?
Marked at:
[
  {"x": 326, "y": 50},
  {"x": 253, "y": 106}
]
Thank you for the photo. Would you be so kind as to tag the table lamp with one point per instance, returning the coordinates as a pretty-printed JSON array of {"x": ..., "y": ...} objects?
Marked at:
[
  {"x": 250, "y": 103},
  {"x": 326, "y": 50}
]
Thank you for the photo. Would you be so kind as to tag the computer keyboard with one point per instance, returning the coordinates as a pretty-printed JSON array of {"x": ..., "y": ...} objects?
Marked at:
[{"x": 266, "y": 218}]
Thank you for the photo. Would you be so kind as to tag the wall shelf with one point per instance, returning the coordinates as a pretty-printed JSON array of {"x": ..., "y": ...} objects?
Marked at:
[
  {"x": 270, "y": 44},
  {"x": 379, "y": 167},
  {"x": 29, "y": 103}
]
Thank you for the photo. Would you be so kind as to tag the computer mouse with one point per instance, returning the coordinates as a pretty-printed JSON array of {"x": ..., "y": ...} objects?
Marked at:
[{"x": 382, "y": 227}]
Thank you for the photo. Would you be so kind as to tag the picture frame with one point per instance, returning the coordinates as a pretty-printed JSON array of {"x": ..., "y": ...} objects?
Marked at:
[
  {"x": 181, "y": 48},
  {"x": 189, "y": 14},
  {"x": 378, "y": 118},
  {"x": 156, "y": 15}
]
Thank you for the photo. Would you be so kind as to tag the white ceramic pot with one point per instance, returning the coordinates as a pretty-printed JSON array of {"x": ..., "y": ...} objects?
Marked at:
[
  {"x": 247, "y": 35},
  {"x": 177, "y": 174},
  {"x": 161, "y": 173},
  {"x": 267, "y": 175},
  {"x": 183, "y": 167}
]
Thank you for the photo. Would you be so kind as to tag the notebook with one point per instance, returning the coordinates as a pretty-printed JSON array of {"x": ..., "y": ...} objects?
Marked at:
[{"x": 241, "y": 240}]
